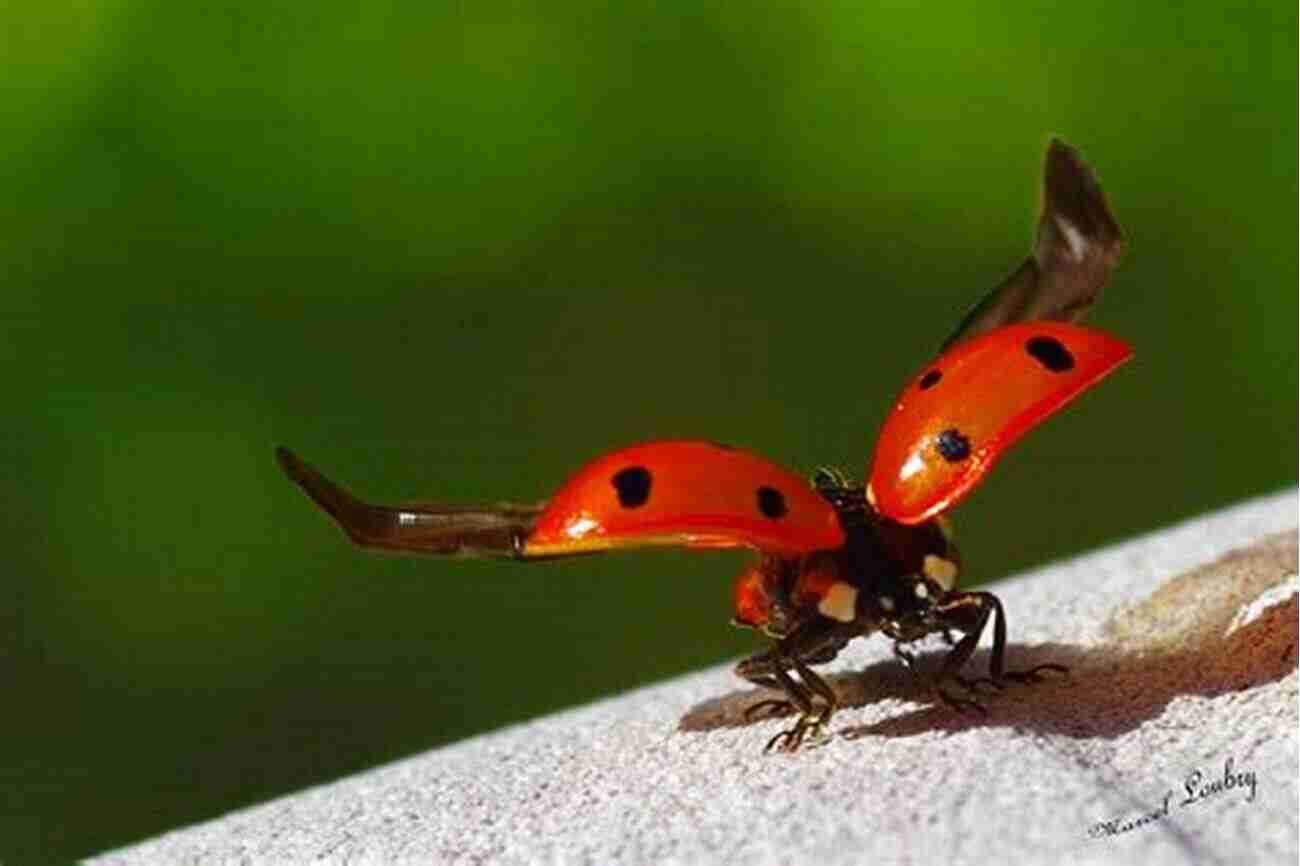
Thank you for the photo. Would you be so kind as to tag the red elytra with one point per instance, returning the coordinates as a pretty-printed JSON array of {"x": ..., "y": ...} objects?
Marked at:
[
  {"x": 950, "y": 424},
  {"x": 683, "y": 493},
  {"x": 838, "y": 560}
]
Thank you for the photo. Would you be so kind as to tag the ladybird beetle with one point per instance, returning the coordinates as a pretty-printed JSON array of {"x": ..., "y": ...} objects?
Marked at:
[{"x": 835, "y": 559}]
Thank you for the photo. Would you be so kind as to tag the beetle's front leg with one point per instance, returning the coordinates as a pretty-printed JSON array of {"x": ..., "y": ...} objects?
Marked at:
[{"x": 968, "y": 612}]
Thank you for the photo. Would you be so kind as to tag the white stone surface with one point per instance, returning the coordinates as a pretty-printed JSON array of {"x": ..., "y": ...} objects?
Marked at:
[{"x": 1182, "y": 662}]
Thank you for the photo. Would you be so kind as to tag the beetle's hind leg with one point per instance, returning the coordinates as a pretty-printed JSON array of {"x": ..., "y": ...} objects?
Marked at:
[
  {"x": 769, "y": 670},
  {"x": 809, "y": 695},
  {"x": 830, "y": 703},
  {"x": 812, "y": 718},
  {"x": 969, "y": 612}
]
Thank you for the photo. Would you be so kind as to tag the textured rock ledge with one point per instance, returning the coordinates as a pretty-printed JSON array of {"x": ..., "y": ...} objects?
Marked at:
[{"x": 1182, "y": 646}]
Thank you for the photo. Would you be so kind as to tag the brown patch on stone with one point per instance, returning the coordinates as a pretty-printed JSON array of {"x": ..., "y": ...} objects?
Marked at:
[{"x": 1197, "y": 607}]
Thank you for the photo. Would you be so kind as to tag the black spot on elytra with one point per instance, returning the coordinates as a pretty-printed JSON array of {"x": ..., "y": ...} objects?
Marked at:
[
  {"x": 930, "y": 379},
  {"x": 772, "y": 503},
  {"x": 953, "y": 445},
  {"x": 633, "y": 486},
  {"x": 1051, "y": 353}
]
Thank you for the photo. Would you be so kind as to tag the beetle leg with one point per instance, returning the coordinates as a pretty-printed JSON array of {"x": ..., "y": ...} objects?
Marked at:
[
  {"x": 817, "y": 641},
  {"x": 998, "y": 673},
  {"x": 769, "y": 670},
  {"x": 823, "y": 689},
  {"x": 813, "y": 718},
  {"x": 790, "y": 740},
  {"x": 907, "y": 657},
  {"x": 969, "y": 612},
  {"x": 762, "y": 669}
]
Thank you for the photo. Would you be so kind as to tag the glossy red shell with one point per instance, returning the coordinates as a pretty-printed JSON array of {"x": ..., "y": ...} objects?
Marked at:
[
  {"x": 965, "y": 409},
  {"x": 688, "y": 493}
]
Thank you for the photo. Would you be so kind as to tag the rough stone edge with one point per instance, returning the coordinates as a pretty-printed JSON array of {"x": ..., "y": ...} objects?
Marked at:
[{"x": 1260, "y": 508}]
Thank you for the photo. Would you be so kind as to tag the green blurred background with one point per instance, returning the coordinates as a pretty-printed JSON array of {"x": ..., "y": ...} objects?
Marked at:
[{"x": 455, "y": 250}]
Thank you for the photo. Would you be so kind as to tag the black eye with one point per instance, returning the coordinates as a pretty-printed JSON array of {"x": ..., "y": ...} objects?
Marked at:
[
  {"x": 771, "y": 502},
  {"x": 930, "y": 379},
  {"x": 633, "y": 486},
  {"x": 1051, "y": 353},
  {"x": 953, "y": 445}
]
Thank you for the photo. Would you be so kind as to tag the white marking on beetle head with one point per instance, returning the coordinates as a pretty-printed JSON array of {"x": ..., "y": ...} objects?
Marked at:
[
  {"x": 886, "y": 603},
  {"x": 921, "y": 590},
  {"x": 941, "y": 571},
  {"x": 839, "y": 603}
]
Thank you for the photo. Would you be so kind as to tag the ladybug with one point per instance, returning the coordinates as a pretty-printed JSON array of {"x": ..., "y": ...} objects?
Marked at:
[{"x": 835, "y": 559}]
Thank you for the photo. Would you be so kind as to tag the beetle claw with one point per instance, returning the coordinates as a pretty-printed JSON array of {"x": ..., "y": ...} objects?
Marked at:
[{"x": 809, "y": 727}]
